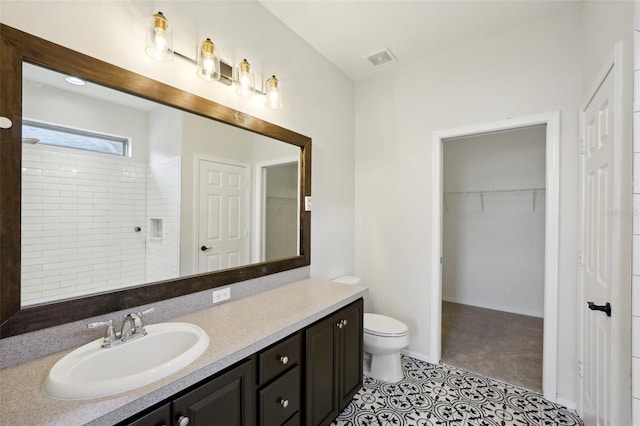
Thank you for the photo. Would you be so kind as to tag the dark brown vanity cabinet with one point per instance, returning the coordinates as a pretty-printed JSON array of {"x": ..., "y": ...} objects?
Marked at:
[
  {"x": 306, "y": 378},
  {"x": 333, "y": 364}
]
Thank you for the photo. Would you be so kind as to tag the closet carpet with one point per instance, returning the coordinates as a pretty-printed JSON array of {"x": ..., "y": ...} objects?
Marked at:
[{"x": 495, "y": 344}]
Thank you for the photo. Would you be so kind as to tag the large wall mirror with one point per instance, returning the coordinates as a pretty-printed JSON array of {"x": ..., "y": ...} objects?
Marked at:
[{"x": 124, "y": 191}]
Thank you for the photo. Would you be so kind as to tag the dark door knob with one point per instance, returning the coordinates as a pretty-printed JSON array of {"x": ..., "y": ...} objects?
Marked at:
[
  {"x": 204, "y": 248},
  {"x": 606, "y": 308}
]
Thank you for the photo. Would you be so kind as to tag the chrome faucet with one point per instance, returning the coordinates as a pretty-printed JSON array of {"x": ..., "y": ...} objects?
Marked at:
[{"x": 132, "y": 328}]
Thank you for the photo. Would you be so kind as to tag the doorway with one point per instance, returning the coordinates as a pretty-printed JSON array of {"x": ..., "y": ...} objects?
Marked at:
[
  {"x": 276, "y": 207},
  {"x": 493, "y": 254},
  {"x": 280, "y": 207},
  {"x": 551, "y": 215}
]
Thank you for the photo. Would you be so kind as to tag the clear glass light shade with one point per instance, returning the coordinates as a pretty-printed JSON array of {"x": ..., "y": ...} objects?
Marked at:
[
  {"x": 274, "y": 95},
  {"x": 159, "y": 45},
  {"x": 245, "y": 79},
  {"x": 208, "y": 61}
]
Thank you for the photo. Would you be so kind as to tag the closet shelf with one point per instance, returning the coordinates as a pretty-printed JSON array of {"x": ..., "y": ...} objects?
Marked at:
[{"x": 483, "y": 193}]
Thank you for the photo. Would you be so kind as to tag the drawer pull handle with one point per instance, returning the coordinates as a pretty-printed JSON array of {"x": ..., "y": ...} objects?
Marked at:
[
  {"x": 284, "y": 403},
  {"x": 183, "y": 421},
  {"x": 344, "y": 323},
  {"x": 340, "y": 325},
  {"x": 284, "y": 359}
]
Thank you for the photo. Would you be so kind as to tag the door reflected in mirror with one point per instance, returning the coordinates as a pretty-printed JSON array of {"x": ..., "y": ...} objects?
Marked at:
[{"x": 118, "y": 191}]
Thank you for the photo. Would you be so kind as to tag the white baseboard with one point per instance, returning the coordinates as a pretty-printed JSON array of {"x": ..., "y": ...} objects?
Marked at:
[
  {"x": 494, "y": 307},
  {"x": 418, "y": 356},
  {"x": 571, "y": 405}
]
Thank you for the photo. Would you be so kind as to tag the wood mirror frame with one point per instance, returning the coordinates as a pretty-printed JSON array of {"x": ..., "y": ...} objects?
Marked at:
[{"x": 18, "y": 47}]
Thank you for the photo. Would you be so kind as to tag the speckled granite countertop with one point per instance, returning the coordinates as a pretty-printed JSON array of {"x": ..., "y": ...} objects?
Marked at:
[{"x": 236, "y": 330}]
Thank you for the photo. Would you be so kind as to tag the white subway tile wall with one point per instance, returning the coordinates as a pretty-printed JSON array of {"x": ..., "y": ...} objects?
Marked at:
[
  {"x": 635, "y": 290},
  {"x": 163, "y": 201},
  {"x": 79, "y": 218}
]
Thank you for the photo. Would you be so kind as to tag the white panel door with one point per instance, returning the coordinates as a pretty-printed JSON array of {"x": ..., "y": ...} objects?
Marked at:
[
  {"x": 223, "y": 211},
  {"x": 597, "y": 284}
]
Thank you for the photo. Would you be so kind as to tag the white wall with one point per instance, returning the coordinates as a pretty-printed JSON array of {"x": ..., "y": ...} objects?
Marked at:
[
  {"x": 635, "y": 307},
  {"x": 528, "y": 70},
  {"x": 493, "y": 247}
]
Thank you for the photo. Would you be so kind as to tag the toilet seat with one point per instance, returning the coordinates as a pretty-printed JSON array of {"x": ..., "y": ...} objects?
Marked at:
[{"x": 384, "y": 326}]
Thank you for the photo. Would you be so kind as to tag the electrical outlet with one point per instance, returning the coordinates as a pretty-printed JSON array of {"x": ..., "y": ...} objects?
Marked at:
[{"x": 220, "y": 295}]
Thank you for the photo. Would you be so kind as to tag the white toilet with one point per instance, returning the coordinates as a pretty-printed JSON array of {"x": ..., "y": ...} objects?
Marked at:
[{"x": 384, "y": 337}]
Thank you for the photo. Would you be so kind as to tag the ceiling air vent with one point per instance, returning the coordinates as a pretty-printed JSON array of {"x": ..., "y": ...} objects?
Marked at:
[{"x": 381, "y": 57}]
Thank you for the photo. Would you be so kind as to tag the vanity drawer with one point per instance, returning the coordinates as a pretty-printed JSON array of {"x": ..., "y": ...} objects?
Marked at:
[
  {"x": 281, "y": 399},
  {"x": 279, "y": 358}
]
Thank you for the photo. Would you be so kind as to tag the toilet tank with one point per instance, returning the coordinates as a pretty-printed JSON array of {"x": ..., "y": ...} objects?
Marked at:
[{"x": 348, "y": 279}]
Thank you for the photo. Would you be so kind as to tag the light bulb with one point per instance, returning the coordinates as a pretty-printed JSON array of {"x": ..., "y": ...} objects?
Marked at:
[
  {"x": 208, "y": 67},
  {"x": 160, "y": 42}
]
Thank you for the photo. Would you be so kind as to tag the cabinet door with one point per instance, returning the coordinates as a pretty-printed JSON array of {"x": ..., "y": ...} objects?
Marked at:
[
  {"x": 321, "y": 400},
  {"x": 159, "y": 417},
  {"x": 227, "y": 400},
  {"x": 350, "y": 352}
]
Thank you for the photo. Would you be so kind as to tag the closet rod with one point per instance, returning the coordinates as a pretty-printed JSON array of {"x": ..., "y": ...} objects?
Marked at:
[{"x": 494, "y": 191}]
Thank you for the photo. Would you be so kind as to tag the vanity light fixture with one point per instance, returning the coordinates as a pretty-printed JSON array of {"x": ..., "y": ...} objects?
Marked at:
[
  {"x": 75, "y": 80},
  {"x": 274, "y": 97},
  {"x": 159, "y": 44},
  {"x": 209, "y": 66},
  {"x": 245, "y": 79}
]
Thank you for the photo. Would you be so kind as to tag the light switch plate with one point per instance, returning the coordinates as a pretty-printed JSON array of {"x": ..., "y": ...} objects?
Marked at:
[{"x": 307, "y": 203}]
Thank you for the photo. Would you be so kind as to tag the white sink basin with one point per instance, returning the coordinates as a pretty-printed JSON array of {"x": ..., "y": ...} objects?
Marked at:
[{"x": 92, "y": 371}]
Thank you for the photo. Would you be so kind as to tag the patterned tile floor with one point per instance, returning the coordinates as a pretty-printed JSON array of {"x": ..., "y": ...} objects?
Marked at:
[{"x": 440, "y": 395}]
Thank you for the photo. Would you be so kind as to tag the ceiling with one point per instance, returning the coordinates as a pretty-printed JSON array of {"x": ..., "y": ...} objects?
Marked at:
[{"x": 346, "y": 31}]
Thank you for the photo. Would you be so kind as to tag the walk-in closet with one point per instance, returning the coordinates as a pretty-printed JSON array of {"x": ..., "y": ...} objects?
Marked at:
[{"x": 493, "y": 254}]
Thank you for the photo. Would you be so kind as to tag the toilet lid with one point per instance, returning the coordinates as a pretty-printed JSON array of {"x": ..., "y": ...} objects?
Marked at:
[{"x": 381, "y": 325}]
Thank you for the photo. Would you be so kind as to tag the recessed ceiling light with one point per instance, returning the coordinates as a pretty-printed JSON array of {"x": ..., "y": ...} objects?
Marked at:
[
  {"x": 75, "y": 81},
  {"x": 381, "y": 57}
]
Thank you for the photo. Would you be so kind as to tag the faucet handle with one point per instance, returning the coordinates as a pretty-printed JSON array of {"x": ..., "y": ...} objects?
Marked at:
[
  {"x": 100, "y": 324},
  {"x": 138, "y": 322},
  {"x": 143, "y": 313},
  {"x": 147, "y": 311}
]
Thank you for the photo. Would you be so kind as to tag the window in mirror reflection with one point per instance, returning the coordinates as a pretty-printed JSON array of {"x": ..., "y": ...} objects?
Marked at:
[
  {"x": 224, "y": 196},
  {"x": 65, "y": 137}
]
